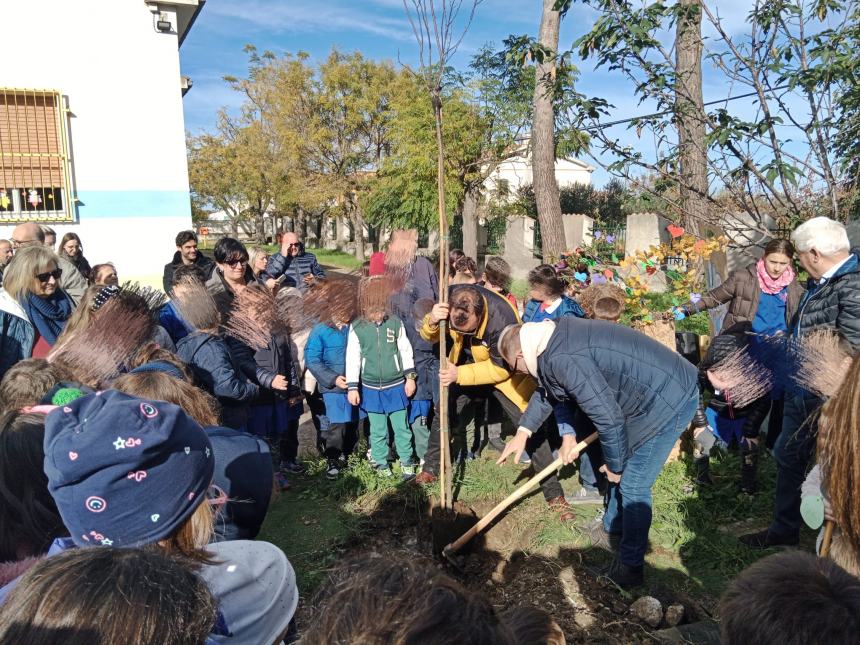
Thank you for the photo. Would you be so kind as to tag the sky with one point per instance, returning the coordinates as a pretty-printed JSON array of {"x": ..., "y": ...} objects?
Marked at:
[{"x": 380, "y": 30}]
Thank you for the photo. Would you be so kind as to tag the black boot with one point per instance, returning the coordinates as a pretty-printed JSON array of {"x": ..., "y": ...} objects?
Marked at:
[
  {"x": 703, "y": 441},
  {"x": 749, "y": 466},
  {"x": 703, "y": 471},
  {"x": 625, "y": 576}
]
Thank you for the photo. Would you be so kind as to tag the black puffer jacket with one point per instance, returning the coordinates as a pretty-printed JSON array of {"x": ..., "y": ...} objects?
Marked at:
[
  {"x": 834, "y": 304},
  {"x": 629, "y": 385}
]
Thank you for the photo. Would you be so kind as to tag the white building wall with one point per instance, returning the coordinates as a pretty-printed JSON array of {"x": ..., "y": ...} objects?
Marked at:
[
  {"x": 518, "y": 172},
  {"x": 122, "y": 81}
]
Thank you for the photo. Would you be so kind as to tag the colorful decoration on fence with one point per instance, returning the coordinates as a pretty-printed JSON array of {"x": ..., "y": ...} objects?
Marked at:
[
  {"x": 4, "y": 200},
  {"x": 682, "y": 260}
]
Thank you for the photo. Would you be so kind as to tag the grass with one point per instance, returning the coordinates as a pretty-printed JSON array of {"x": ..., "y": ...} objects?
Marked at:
[{"x": 694, "y": 546}]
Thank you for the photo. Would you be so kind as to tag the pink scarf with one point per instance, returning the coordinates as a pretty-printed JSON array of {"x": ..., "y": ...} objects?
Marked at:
[{"x": 768, "y": 284}]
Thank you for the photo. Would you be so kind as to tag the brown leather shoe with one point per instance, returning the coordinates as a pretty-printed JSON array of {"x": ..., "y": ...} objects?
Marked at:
[
  {"x": 425, "y": 478},
  {"x": 559, "y": 505}
]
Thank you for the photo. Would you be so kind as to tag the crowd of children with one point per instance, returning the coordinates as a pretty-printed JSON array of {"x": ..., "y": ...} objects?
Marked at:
[{"x": 158, "y": 431}]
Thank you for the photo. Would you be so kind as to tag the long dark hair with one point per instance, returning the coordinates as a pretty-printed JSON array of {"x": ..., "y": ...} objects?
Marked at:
[{"x": 29, "y": 519}]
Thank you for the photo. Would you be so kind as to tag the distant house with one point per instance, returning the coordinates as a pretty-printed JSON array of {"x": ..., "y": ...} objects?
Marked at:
[
  {"x": 92, "y": 133},
  {"x": 510, "y": 175}
]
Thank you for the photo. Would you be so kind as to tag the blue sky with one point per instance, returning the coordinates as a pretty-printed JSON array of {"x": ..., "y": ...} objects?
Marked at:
[{"x": 380, "y": 30}]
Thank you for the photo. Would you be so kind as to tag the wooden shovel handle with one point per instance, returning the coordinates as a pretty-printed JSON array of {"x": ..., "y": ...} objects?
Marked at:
[{"x": 517, "y": 495}]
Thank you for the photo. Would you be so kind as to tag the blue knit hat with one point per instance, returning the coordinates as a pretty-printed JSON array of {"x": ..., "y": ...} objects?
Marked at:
[{"x": 124, "y": 471}]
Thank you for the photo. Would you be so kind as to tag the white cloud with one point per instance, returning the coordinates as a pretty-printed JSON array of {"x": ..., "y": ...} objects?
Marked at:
[{"x": 308, "y": 16}]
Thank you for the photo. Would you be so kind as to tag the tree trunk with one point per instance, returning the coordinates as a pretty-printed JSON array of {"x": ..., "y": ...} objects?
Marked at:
[
  {"x": 301, "y": 223},
  {"x": 689, "y": 111},
  {"x": 357, "y": 220},
  {"x": 543, "y": 140},
  {"x": 470, "y": 222}
]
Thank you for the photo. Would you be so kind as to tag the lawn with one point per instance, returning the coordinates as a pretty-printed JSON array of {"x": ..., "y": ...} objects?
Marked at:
[{"x": 694, "y": 548}]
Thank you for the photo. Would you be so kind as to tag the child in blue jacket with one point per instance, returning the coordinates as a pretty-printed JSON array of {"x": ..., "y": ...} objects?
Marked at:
[
  {"x": 325, "y": 357},
  {"x": 548, "y": 300}
]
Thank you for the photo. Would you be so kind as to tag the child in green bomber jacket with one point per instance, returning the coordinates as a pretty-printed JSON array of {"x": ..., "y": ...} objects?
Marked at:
[{"x": 380, "y": 375}]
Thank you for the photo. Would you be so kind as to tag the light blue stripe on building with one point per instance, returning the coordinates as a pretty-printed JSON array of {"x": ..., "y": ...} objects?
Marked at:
[{"x": 133, "y": 203}]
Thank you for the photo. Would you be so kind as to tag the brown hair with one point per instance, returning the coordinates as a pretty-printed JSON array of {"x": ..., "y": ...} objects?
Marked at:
[
  {"x": 398, "y": 601},
  {"x": 778, "y": 245},
  {"x": 838, "y": 447},
  {"x": 532, "y": 626},
  {"x": 68, "y": 237},
  {"x": 109, "y": 595},
  {"x": 498, "y": 273},
  {"x": 97, "y": 269},
  {"x": 199, "y": 405},
  {"x": 465, "y": 301},
  {"x": 26, "y": 382},
  {"x": 791, "y": 598},
  {"x": 544, "y": 276},
  {"x": 596, "y": 292},
  {"x": 373, "y": 294},
  {"x": 608, "y": 309},
  {"x": 464, "y": 271},
  {"x": 29, "y": 519},
  {"x": 152, "y": 351},
  {"x": 453, "y": 256}
]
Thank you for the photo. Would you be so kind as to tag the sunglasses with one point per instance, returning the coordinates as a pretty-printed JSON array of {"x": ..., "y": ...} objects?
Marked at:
[
  {"x": 232, "y": 263},
  {"x": 44, "y": 277}
]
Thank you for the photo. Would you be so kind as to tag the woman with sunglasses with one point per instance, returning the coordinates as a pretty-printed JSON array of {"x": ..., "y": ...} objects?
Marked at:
[
  {"x": 33, "y": 280},
  {"x": 231, "y": 275}
]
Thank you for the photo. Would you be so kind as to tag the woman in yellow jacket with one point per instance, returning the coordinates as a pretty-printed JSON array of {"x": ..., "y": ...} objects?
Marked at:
[{"x": 476, "y": 370}]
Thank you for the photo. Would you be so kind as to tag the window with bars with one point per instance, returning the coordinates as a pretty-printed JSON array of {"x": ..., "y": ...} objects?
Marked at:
[{"x": 35, "y": 176}]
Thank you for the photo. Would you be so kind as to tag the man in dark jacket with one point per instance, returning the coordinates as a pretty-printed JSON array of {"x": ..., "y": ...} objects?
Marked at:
[
  {"x": 831, "y": 302},
  {"x": 639, "y": 395},
  {"x": 186, "y": 253},
  {"x": 476, "y": 371},
  {"x": 297, "y": 267}
]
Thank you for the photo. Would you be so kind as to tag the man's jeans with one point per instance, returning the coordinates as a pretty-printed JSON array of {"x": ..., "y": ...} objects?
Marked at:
[
  {"x": 793, "y": 450},
  {"x": 628, "y": 509}
]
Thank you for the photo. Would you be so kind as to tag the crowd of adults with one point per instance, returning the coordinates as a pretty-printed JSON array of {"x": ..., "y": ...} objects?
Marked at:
[{"x": 130, "y": 502}]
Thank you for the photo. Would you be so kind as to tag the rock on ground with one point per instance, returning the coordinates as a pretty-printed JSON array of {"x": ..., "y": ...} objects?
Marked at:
[
  {"x": 674, "y": 615},
  {"x": 648, "y": 609}
]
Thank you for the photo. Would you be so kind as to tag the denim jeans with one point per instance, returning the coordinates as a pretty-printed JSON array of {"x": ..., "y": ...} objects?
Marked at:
[
  {"x": 628, "y": 505},
  {"x": 793, "y": 450},
  {"x": 573, "y": 421}
]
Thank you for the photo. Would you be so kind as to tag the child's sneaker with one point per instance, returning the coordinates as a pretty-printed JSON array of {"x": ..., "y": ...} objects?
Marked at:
[
  {"x": 383, "y": 471},
  {"x": 408, "y": 472},
  {"x": 292, "y": 467},
  {"x": 282, "y": 481},
  {"x": 332, "y": 469}
]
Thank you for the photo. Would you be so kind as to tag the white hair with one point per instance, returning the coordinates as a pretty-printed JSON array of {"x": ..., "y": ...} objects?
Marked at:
[{"x": 823, "y": 234}]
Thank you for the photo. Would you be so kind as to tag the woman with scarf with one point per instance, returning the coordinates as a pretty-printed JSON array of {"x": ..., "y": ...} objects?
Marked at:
[
  {"x": 33, "y": 280},
  {"x": 762, "y": 300}
]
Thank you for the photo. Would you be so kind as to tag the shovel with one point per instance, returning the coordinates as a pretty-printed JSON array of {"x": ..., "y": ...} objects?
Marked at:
[{"x": 517, "y": 495}]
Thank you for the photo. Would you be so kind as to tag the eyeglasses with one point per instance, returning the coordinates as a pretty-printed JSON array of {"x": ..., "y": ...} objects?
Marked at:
[
  {"x": 17, "y": 244},
  {"x": 44, "y": 277},
  {"x": 232, "y": 263},
  {"x": 293, "y": 246}
]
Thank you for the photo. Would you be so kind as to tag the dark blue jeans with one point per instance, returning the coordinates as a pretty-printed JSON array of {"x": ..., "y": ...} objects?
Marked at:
[
  {"x": 628, "y": 504},
  {"x": 793, "y": 450}
]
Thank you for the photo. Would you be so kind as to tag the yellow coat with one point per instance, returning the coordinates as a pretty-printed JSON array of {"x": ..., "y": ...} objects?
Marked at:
[{"x": 498, "y": 314}]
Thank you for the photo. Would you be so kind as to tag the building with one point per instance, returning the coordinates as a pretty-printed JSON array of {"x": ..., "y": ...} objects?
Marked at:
[
  {"x": 510, "y": 175},
  {"x": 92, "y": 133}
]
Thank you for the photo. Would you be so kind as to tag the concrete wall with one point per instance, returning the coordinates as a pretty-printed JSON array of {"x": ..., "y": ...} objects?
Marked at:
[{"x": 122, "y": 81}]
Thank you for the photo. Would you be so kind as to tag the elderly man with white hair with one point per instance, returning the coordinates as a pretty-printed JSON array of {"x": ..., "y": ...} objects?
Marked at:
[{"x": 832, "y": 301}]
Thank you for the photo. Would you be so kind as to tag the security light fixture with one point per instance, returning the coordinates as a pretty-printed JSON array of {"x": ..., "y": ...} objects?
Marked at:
[{"x": 163, "y": 25}]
